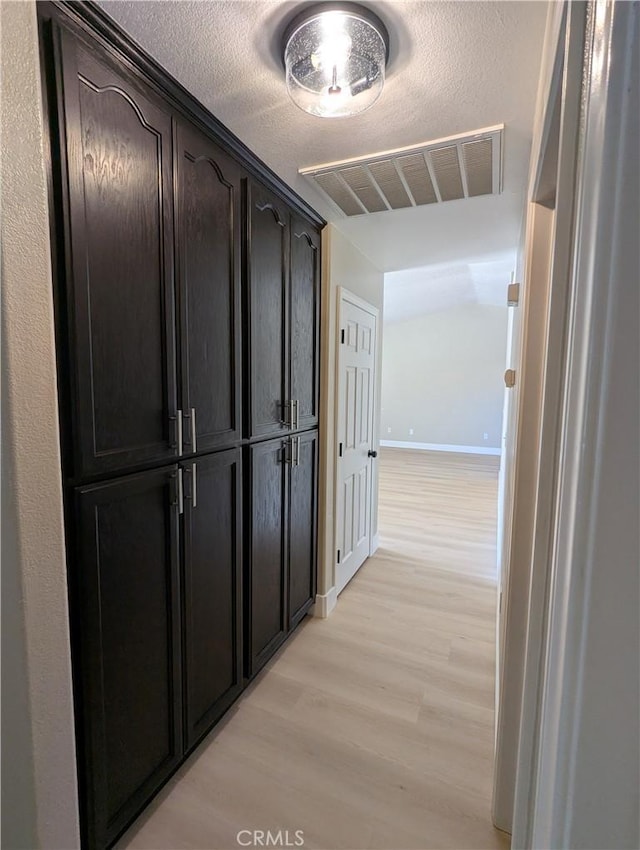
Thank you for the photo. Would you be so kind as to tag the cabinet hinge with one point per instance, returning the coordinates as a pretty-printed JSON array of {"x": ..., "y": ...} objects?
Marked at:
[
  {"x": 340, "y": 450},
  {"x": 338, "y": 556},
  {"x": 513, "y": 294},
  {"x": 342, "y": 336}
]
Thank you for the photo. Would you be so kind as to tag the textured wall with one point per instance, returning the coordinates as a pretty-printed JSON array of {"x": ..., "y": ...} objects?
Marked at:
[
  {"x": 343, "y": 265},
  {"x": 442, "y": 377},
  {"x": 39, "y": 777}
]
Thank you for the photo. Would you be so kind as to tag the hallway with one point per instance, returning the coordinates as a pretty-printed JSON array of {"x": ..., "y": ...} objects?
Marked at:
[{"x": 373, "y": 728}]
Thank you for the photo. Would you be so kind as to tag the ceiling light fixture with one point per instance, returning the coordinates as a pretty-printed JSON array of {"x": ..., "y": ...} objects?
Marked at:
[{"x": 335, "y": 56}]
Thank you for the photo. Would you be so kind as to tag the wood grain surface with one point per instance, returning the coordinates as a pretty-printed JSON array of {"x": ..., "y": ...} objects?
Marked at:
[{"x": 373, "y": 728}]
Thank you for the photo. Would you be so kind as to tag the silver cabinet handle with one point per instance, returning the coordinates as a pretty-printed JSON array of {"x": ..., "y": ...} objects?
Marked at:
[
  {"x": 193, "y": 430},
  {"x": 296, "y": 454},
  {"x": 194, "y": 486},
  {"x": 286, "y": 414},
  {"x": 191, "y": 416},
  {"x": 297, "y": 409},
  {"x": 180, "y": 492},
  {"x": 178, "y": 430}
]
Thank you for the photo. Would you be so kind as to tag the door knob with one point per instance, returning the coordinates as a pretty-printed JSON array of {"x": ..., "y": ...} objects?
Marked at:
[{"x": 372, "y": 453}]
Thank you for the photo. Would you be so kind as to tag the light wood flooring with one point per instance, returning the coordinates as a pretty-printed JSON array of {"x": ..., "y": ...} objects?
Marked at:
[{"x": 373, "y": 728}]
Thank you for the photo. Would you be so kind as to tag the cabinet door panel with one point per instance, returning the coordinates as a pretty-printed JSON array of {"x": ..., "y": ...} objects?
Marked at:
[
  {"x": 120, "y": 276},
  {"x": 267, "y": 579},
  {"x": 305, "y": 321},
  {"x": 128, "y": 644},
  {"x": 303, "y": 526},
  {"x": 213, "y": 575},
  {"x": 268, "y": 311},
  {"x": 209, "y": 289}
]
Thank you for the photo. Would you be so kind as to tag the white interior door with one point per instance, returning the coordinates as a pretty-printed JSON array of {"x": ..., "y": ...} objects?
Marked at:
[{"x": 357, "y": 333}]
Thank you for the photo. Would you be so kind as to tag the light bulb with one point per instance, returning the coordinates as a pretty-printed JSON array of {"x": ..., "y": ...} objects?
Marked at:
[{"x": 335, "y": 59}]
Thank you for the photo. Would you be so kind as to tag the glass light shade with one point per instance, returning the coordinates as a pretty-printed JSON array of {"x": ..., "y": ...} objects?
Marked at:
[{"x": 335, "y": 57}]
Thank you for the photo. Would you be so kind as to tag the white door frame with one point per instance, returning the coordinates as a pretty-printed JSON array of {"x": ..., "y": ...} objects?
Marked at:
[
  {"x": 540, "y": 376},
  {"x": 345, "y": 294},
  {"x": 553, "y": 796}
]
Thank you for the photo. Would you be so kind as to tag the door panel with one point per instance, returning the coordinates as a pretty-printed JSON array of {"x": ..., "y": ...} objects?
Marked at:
[
  {"x": 208, "y": 224},
  {"x": 120, "y": 292},
  {"x": 267, "y": 585},
  {"x": 212, "y": 580},
  {"x": 269, "y": 312},
  {"x": 128, "y": 642},
  {"x": 302, "y": 525},
  {"x": 305, "y": 322},
  {"x": 355, "y": 437}
]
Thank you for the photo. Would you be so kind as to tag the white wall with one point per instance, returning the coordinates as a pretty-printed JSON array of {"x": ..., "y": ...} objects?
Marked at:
[
  {"x": 442, "y": 376},
  {"x": 343, "y": 265},
  {"x": 39, "y": 798}
]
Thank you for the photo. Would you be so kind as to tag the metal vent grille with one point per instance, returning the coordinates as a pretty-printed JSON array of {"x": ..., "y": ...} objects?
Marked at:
[{"x": 444, "y": 170}]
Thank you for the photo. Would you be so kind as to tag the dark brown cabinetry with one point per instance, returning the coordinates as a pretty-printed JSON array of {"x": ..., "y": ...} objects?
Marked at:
[
  {"x": 186, "y": 284},
  {"x": 283, "y": 277},
  {"x": 268, "y": 280},
  {"x": 305, "y": 322},
  {"x": 212, "y": 589},
  {"x": 266, "y": 585},
  {"x": 119, "y": 280},
  {"x": 302, "y": 531},
  {"x": 208, "y": 263},
  {"x": 125, "y": 595},
  {"x": 281, "y": 569}
]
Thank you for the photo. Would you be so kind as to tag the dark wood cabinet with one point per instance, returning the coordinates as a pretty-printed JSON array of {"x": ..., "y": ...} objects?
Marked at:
[
  {"x": 212, "y": 589},
  {"x": 208, "y": 263},
  {"x": 119, "y": 280},
  {"x": 283, "y": 280},
  {"x": 283, "y": 540},
  {"x": 302, "y": 525},
  {"x": 186, "y": 294},
  {"x": 125, "y": 590},
  {"x": 266, "y": 620},
  {"x": 268, "y": 308},
  {"x": 305, "y": 322}
]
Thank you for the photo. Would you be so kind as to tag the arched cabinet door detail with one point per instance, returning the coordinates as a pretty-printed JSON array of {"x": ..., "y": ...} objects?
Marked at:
[
  {"x": 208, "y": 263},
  {"x": 305, "y": 323},
  {"x": 119, "y": 291},
  {"x": 268, "y": 286},
  {"x": 186, "y": 290}
]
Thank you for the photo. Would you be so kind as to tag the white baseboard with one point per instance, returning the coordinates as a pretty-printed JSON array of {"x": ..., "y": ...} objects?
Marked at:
[
  {"x": 325, "y": 603},
  {"x": 438, "y": 447},
  {"x": 375, "y": 544}
]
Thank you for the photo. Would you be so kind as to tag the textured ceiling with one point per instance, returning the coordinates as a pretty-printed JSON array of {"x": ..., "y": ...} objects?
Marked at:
[{"x": 454, "y": 67}]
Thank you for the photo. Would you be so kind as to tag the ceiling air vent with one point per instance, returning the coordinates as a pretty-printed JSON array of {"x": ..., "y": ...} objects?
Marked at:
[{"x": 445, "y": 170}]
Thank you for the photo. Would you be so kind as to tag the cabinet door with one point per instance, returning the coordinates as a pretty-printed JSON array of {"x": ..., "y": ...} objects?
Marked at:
[
  {"x": 266, "y": 620},
  {"x": 119, "y": 279},
  {"x": 305, "y": 323},
  {"x": 127, "y": 642},
  {"x": 267, "y": 262},
  {"x": 212, "y": 582},
  {"x": 302, "y": 525},
  {"x": 208, "y": 261}
]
